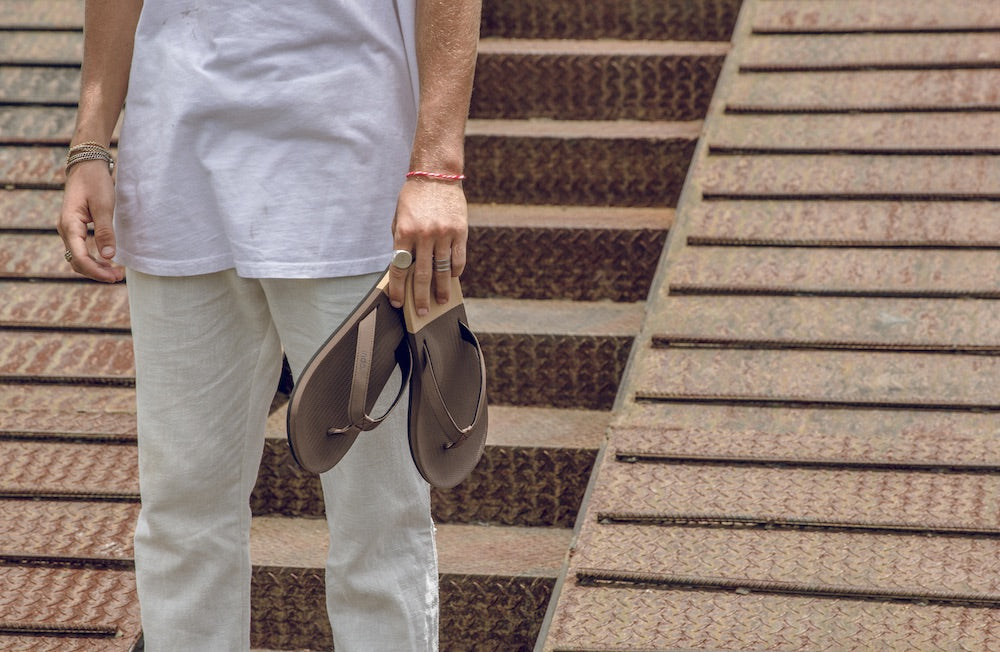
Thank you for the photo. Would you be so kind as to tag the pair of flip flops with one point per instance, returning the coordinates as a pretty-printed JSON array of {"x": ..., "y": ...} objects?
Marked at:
[{"x": 441, "y": 363}]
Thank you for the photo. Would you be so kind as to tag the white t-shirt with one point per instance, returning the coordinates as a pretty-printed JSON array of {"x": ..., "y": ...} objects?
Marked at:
[{"x": 269, "y": 137}]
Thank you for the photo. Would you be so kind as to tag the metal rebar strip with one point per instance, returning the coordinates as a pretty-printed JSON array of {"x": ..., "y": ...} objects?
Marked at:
[
  {"x": 69, "y": 630},
  {"x": 594, "y": 575}
]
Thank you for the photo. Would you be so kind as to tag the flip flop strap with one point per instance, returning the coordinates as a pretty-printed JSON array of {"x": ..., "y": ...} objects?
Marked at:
[
  {"x": 358, "y": 398},
  {"x": 453, "y": 431}
]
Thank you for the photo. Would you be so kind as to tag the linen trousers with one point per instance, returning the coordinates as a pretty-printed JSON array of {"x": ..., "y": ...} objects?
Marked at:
[{"x": 208, "y": 356}]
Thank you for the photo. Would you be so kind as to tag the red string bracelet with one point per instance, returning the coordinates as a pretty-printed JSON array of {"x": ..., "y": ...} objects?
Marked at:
[{"x": 435, "y": 175}]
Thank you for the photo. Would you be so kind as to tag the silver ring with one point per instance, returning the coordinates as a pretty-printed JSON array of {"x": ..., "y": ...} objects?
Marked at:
[
  {"x": 68, "y": 256},
  {"x": 442, "y": 265},
  {"x": 402, "y": 258}
]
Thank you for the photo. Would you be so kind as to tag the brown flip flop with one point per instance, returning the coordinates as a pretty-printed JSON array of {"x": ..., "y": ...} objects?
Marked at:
[
  {"x": 332, "y": 400},
  {"x": 448, "y": 415}
]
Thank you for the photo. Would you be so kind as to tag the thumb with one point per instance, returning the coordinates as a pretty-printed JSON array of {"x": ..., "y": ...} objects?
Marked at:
[{"x": 102, "y": 211}]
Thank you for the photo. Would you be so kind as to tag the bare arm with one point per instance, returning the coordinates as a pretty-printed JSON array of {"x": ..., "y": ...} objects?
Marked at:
[
  {"x": 432, "y": 215},
  {"x": 109, "y": 32}
]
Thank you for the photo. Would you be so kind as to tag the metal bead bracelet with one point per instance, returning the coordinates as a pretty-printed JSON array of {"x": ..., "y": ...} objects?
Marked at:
[{"x": 89, "y": 152}]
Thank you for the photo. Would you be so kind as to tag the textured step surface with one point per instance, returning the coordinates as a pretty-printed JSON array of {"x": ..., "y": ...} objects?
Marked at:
[
  {"x": 815, "y": 472},
  {"x": 533, "y": 472},
  {"x": 860, "y": 15},
  {"x": 884, "y": 272},
  {"x": 866, "y": 91},
  {"x": 915, "y": 133},
  {"x": 595, "y": 80},
  {"x": 874, "y": 323},
  {"x": 806, "y": 435},
  {"x": 534, "y": 252},
  {"x": 861, "y": 51},
  {"x": 860, "y": 499},
  {"x": 512, "y": 569},
  {"x": 844, "y": 223},
  {"x": 852, "y": 564},
  {"x": 42, "y": 14},
  {"x": 745, "y": 620},
  {"x": 701, "y": 20},
  {"x": 537, "y": 162}
]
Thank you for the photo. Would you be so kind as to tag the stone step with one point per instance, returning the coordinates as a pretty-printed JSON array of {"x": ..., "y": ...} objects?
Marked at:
[
  {"x": 42, "y": 14},
  {"x": 495, "y": 583},
  {"x": 515, "y": 78},
  {"x": 595, "y": 79},
  {"x": 567, "y": 354},
  {"x": 699, "y": 20},
  {"x": 695, "y": 20},
  {"x": 625, "y": 163},
  {"x": 580, "y": 253},
  {"x": 533, "y": 473},
  {"x": 934, "y": 273},
  {"x": 580, "y": 163}
]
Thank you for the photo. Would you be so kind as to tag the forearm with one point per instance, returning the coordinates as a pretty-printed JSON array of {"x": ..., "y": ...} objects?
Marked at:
[
  {"x": 447, "y": 38},
  {"x": 109, "y": 32}
]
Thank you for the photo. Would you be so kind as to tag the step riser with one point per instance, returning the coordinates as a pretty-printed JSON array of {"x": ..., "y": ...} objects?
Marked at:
[
  {"x": 556, "y": 263},
  {"x": 510, "y": 486},
  {"x": 636, "y": 172},
  {"x": 477, "y": 612},
  {"x": 594, "y": 87},
  {"x": 702, "y": 20}
]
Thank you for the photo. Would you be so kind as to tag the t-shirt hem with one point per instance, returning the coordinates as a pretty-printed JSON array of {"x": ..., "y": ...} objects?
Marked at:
[{"x": 316, "y": 269}]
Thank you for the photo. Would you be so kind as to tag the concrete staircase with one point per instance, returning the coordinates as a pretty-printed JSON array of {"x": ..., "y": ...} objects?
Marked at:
[{"x": 584, "y": 119}]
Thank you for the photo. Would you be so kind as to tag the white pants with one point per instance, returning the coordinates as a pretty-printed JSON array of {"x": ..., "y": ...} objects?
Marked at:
[{"x": 208, "y": 355}]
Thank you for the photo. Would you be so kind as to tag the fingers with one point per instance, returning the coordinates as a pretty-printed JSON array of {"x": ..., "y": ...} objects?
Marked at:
[
  {"x": 442, "y": 273},
  {"x": 89, "y": 198},
  {"x": 431, "y": 221}
]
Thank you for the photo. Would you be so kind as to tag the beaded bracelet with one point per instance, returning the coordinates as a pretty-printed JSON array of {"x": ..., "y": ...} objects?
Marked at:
[
  {"x": 435, "y": 175},
  {"x": 89, "y": 151}
]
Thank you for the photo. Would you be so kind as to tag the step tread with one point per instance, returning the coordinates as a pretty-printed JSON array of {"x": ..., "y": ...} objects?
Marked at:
[
  {"x": 860, "y": 176},
  {"x": 842, "y": 223},
  {"x": 836, "y": 377},
  {"x": 879, "y": 322},
  {"x": 42, "y": 13},
  {"x": 933, "y": 272},
  {"x": 866, "y": 50},
  {"x": 37, "y": 47},
  {"x": 926, "y": 89},
  {"x": 462, "y": 549},
  {"x": 794, "y": 435},
  {"x": 683, "y": 619},
  {"x": 523, "y": 427},
  {"x": 84, "y": 357},
  {"x": 76, "y": 598},
  {"x": 63, "y": 305},
  {"x": 852, "y": 563},
  {"x": 569, "y": 217},
  {"x": 602, "y": 47},
  {"x": 69, "y": 469},
  {"x": 50, "y": 528},
  {"x": 839, "y": 498},
  {"x": 968, "y": 132},
  {"x": 576, "y": 129},
  {"x": 862, "y": 15},
  {"x": 79, "y": 399},
  {"x": 555, "y": 317}
]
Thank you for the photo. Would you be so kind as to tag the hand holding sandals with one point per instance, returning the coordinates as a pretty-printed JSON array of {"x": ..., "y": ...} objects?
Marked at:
[{"x": 431, "y": 222}]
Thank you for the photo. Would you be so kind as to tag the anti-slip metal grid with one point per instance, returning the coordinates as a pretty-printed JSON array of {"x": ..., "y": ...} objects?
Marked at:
[{"x": 804, "y": 451}]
